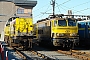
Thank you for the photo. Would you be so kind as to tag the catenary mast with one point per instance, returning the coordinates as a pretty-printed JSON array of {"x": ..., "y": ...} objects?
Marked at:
[{"x": 53, "y": 4}]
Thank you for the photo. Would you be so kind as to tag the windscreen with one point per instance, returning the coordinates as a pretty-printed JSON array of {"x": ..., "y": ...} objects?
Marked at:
[
  {"x": 62, "y": 23},
  {"x": 71, "y": 22}
]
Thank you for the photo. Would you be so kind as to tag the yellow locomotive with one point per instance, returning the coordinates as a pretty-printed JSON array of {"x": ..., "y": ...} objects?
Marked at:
[
  {"x": 58, "y": 31},
  {"x": 19, "y": 32}
]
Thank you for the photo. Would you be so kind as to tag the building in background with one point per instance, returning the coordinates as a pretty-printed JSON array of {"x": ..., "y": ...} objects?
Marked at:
[{"x": 10, "y": 8}]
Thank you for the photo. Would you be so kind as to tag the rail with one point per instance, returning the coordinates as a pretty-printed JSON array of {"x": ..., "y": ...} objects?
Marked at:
[
  {"x": 41, "y": 55},
  {"x": 19, "y": 53},
  {"x": 77, "y": 54}
]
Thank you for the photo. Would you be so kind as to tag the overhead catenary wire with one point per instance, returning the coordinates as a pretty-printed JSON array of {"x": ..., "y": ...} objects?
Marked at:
[
  {"x": 75, "y": 11},
  {"x": 45, "y": 12},
  {"x": 40, "y": 7},
  {"x": 55, "y": 7},
  {"x": 82, "y": 10},
  {"x": 81, "y": 4},
  {"x": 71, "y": 7},
  {"x": 58, "y": 8},
  {"x": 42, "y": 13},
  {"x": 59, "y": 5},
  {"x": 63, "y": 8}
]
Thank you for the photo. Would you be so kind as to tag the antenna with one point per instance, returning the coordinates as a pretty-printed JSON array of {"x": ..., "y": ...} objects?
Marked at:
[{"x": 53, "y": 4}]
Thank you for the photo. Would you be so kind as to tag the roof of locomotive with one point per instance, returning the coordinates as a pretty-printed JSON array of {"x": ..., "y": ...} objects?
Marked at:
[
  {"x": 49, "y": 19},
  {"x": 57, "y": 18},
  {"x": 83, "y": 21}
]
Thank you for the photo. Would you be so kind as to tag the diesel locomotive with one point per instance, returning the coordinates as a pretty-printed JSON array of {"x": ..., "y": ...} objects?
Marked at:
[{"x": 19, "y": 32}]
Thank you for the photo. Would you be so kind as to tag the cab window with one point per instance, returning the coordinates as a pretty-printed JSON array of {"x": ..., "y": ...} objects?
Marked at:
[
  {"x": 89, "y": 24},
  {"x": 71, "y": 22},
  {"x": 55, "y": 23},
  {"x": 62, "y": 23},
  {"x": 40, "y": 31}
]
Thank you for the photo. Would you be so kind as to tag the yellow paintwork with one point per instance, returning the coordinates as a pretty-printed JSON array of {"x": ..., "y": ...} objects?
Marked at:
[
  {"x": 7, "y": 30},
  {"x": 58, "y": 29},
  {"x": 23, "y": 23},
  {"x": 81, "y": 28},
  {"x": 64, "y": 29},
  {"x": 88, "y": 28}
]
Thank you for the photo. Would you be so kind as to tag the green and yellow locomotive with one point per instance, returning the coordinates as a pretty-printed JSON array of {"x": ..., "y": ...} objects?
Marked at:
[
  {"x": 58, "y": 31},
  {"x": 19, "y": 32}
]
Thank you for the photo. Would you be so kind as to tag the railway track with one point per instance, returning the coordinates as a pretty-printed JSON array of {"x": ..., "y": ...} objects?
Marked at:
[
  {"x": 30, "y": 55},
  {"x": 20, "y": 54},
  {"x": 77, "y": 54},
  {"x": 25, "y": 55},
  {"x": 17, "y": 53},
  {"x": 39, "y": 53},
  {"x": 34, "y": 55}
]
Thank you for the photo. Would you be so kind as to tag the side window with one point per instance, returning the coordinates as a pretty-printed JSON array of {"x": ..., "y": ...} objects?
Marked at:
[
  {"x": 81, "y": 25},
  {"x": 55, "y": 23},
  {"x": 89, "y": 24},
  {"x": 52, "y": 23},
  {"x": 45, "y": 24},
  {"x": 8, "y": 23},
  {"x": 40, "y": 31},
  {"x": 20, "y": 11}
]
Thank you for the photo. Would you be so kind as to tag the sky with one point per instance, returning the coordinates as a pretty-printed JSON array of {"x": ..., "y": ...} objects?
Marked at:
[{"x": 43, "y": 7}]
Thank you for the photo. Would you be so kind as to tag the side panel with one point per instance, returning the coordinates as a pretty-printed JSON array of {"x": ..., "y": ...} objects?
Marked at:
[
  {"x": 44, "y": 31},
  {"x": 22, "y": 24},
  {"x": 84, "y": 33},
  {"x": 65, "y": 29},
  {"x": 81, "y": 30},
  {"x": 7, "y": 30}
]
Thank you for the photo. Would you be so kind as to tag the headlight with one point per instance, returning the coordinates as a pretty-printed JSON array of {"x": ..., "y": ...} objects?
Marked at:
[
  {"x": 73, "y": 34},
  {"x": 62, "y": 34},
  {"x": 59, "y": 34}
]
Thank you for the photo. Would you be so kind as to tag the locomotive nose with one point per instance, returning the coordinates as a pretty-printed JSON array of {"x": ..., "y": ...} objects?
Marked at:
[{"x": 67, "y": 31}]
